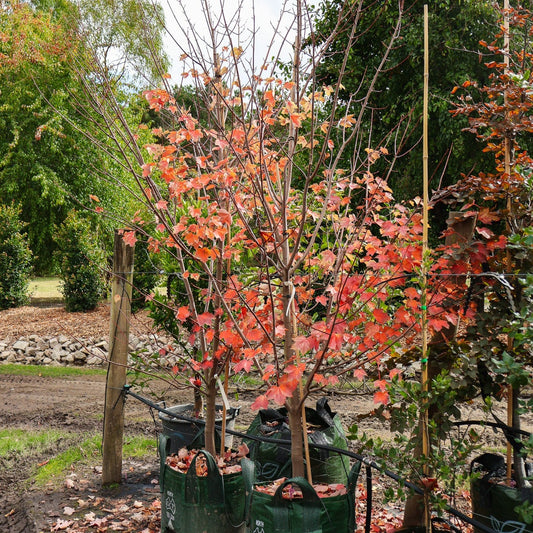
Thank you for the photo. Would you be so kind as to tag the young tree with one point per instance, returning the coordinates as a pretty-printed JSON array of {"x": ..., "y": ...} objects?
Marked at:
[
  {"x": 499, "y": 115},
  {"x": 295, "y": 259}
]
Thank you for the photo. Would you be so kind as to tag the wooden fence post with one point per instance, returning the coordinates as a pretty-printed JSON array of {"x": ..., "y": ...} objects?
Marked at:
[{"x": 117, "y": 360}]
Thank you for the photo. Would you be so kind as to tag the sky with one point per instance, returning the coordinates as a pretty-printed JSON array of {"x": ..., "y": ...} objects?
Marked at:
[{"x": 267, "y": 14}]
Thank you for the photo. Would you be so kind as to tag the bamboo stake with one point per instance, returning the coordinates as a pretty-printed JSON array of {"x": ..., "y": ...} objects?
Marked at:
[
  {"x": 507, "y": 170},
  {"x": 425, "y": 384}
]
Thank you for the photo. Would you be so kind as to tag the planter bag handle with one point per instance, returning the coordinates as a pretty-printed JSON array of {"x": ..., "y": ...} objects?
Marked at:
[
  {"x": 215, "y": 483},
  {"x": 163, "y": 449},
  {"x": 248, "y": 478},
  {"x": 310, "y": 505},
  {"x": 351, "y": 486}
]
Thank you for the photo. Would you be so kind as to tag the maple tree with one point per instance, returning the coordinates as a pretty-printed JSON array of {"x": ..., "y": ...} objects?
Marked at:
[
  {"x": 303, "y": 270},
  {"x": 499, "y": 114},
  {"x": 293, "y": 263}
]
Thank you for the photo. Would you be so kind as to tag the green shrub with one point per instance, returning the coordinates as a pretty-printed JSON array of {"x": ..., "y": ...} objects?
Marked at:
[
  {"x": 81, "y": 264},
  {"x": 15, "y": 259}
]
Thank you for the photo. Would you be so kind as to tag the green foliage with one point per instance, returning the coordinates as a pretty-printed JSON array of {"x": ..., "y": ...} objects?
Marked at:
[
  {"x": 145, "y": 274},
  {"x": 15, "y": 259},
  {"x": 394, "y": 114},
  {"x": 403, "y": 414},
  {"x": 81, "y": 263},
  {"x": 118, "y": 32},
  {"x": 51, "y": 159},
  {"x": 45, "y": 161}
]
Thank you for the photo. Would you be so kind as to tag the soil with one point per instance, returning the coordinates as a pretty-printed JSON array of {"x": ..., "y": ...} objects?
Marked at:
[{"x": 74, "y": 405}]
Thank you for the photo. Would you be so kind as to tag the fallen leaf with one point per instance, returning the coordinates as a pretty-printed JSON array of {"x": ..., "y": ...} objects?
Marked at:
[
  {"x": 61, "y": 525},
  {"x": 68, "y": 511}
]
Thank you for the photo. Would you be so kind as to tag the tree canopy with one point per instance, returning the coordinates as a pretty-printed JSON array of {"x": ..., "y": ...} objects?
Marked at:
[
  {"x": 47, "y": 163},
  {"x": 395, "y": 105}
]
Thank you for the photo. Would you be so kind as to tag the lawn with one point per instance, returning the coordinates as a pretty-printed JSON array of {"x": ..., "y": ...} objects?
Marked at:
[{"x": 44, "y": 289}]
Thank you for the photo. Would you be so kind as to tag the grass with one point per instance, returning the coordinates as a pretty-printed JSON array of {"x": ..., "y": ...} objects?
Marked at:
[
  {"x": 45, "y": 288},
  {"x": 20, "y": 443},
  {"x": 88, "y": 453},
  {"x": 23, "y": 442},
  {"x": 49, "y": 371}
]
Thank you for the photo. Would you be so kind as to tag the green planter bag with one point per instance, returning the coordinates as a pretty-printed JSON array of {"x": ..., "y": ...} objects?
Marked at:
[
  {"x": 494, "y": 504},
  {"x": 310, "y": 514},
  {"x": 273, "y": 460},
  {"x": 192, "y": 504}
]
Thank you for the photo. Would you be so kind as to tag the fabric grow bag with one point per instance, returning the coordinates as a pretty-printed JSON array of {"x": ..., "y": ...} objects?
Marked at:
[
  {"x": 309, "y": 514},
  {"x": 192, "y": 504},
  {"x": 184, "y": 433},
  {"x": 494, "y": 504},
  {"x": 273, "y": 460}
]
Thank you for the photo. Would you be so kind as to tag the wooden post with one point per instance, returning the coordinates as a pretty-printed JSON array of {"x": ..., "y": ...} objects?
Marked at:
[{"x": 117, "y": 360}]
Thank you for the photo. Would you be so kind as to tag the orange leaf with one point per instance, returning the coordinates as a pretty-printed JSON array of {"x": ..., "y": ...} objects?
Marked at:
[
  {"x": 129, "y": 238},
  {"x": 380, "y": 384},
  {"x": 381, "y": 397},
  {"x": 205, "y": 319},
  {"x": 261, "y": 402},
  {"x": 359, "y": 373},
  {"x": 380, "y": 316},
  {"x": 278, "y": 394},
  {"x": 254, "y": 334},
  {"x": 296, "y": 120},
  {"x": 203, "y": 254},
  {"x": 182, "y": 313}
]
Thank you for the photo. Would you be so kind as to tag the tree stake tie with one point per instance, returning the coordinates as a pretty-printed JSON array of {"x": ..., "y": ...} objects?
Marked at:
[
  {"x": 291, "y": 298},
  {"x": 225, "y": 400}
]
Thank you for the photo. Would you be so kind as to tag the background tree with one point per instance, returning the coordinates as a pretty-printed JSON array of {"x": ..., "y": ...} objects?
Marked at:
[
  {"x": 81, "y": 264},
  {"x": 394, "y": 111},
  {"x": 47, "y": 164}
]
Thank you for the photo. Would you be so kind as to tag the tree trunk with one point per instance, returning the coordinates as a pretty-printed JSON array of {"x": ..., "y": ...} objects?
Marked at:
[
  {"x": 297, "y": 435},
  {"x": 198, "y": 404},
  {"x": 210, "y": 417}
]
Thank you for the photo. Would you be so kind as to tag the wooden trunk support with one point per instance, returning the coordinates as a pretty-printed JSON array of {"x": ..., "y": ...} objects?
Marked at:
[{"x": 117, "y": 361}]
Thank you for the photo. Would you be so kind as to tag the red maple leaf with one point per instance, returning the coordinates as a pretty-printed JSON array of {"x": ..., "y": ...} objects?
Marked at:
[
  {"x": 381, "y": 397},
  {"x": 129, "y": 238},
  {"x": 261, "y": 402},
  {"x": 380, "y": 316},
  {"x": 183, "y": 313}
]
